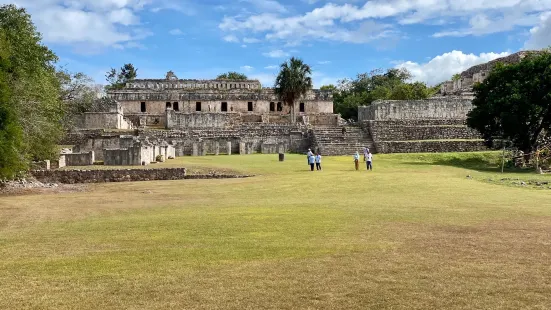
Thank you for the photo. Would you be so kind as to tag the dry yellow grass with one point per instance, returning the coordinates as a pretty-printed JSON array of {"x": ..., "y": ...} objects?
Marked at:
[{"x": 410, "y": 235}]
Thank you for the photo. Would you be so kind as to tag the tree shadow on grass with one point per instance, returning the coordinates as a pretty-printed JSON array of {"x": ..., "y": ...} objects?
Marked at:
[{"x": 477, "y": 163}]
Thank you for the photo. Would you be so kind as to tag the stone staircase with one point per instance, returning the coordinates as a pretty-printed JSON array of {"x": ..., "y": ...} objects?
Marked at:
[{"x": 329, "y": 140}]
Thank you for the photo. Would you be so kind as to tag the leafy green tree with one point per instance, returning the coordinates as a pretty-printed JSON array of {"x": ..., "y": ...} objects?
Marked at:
[
  {"x": 293, "y": 81},
  {"x": 31, "y": 78},
  {"x": 391, "y": 84},
  {"x": 234, "y": 76},
  {"x": 118, "y": 79},
  {"x": 11, "y": 161},
  {"x": 514, "y": 103},
  {"x": 329, "y": 87},
  {"x": 456, "y": 77},
  {"x": 78, "y": 94}
]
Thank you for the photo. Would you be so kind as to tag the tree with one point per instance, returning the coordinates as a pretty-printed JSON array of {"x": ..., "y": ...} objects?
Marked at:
[
  {"x": 456, "y": 77},
  {"x": 514, "y": 103},
  {"x": 293, "y": 81},
  {"x": 30, "y": 76},
  {"x": 391, "y": 84},
  {"x": 78, "y": 94},
  {"x": 118, "y": 79},
  {"x": 234, "y": 76},
  {"x": 329, "y": 87},
  {"x": 10, "y": 131}
]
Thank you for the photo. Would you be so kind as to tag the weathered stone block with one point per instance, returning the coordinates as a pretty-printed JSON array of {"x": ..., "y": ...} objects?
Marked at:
[
  {"x": 195, "y": 149},
  {"x": 217, "y": 148}
]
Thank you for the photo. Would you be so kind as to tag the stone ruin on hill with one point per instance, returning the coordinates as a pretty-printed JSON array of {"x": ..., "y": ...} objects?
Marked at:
[
  {"x": 177, "y": 117},
  {"x": 477, "y": 74}
]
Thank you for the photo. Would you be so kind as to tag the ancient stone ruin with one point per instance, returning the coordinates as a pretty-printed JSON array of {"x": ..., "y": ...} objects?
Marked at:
[{"x": 153, "y": 120}]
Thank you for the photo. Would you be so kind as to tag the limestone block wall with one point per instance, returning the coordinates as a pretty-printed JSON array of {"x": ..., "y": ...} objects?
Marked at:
[
  {"x": 441, "y": 108},
  {"x": 177, "y": 120},
  {"x": 410, "y": 130},
  {"x": 78, "y": 159},
  {"x": 430, "y": 146},
  {"x": 104, "y": 120},
  {"x": 97, "y": 141},
  {"x": 125, "y": 157}
]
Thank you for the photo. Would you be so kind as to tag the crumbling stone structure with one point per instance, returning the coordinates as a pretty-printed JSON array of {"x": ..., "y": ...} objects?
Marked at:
[
  {"x": 477, "y": 74},
  {"x": 418, "y": 126}
]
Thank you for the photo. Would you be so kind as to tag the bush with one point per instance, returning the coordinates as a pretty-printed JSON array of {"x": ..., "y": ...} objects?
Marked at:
[{"x": 159, "y": 158}]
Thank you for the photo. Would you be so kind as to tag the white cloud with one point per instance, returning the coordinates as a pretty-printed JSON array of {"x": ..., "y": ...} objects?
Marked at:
[
  {"x": 338, "y": 22},
  {"x": 247, "y": 68},
  {"x": 540, "y": 35},
  {"x": 251, "y": 40},
  {"x": 443, "y": 67},
  {"x": 324, "y": 62},
  {"x": 272, "y": 67},
  {"x": 276, "y": 54},
  {"x": 91, "y": 26},
  {"x": 231, "y": 38},
  {"x": 176, "y": 32}
]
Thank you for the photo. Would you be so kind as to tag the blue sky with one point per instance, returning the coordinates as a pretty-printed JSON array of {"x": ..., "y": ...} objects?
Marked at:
[{"x": 199, "y": 39}]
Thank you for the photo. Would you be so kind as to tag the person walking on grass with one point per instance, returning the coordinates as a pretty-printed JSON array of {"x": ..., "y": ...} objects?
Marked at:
[
  {"x": 308, "y": 156},
  {"x": 318, "y": 161},
  {"x": 369, "y": 161},
  {"x": 357, "y": 160},
  {"x": 312, "y": 161},
  {"x": 366, "y": 151}
]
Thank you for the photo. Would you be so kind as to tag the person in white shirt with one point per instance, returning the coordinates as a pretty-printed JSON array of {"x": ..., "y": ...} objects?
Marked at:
[
  {"x": 318, "y": 161},
  {"x": 369, "y": 161},
  {"x": 357, "y": 160}
]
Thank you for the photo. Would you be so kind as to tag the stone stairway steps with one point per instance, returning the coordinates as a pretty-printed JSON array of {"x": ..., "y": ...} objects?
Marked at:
[{"x": 329, "y": 140}]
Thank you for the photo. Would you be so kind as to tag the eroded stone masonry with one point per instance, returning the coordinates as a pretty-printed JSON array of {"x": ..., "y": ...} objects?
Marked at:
[{"x": 156, "y": 119}]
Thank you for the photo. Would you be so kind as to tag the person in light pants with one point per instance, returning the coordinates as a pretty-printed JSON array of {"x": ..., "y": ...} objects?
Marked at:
[{"x": 369, "y": 160}]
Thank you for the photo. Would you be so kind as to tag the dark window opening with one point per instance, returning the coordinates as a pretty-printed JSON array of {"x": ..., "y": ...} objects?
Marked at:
[
  {"x": 224, "y": 107},
  {"x": 279, "y": 107},
  {"x": 272, "y": 106},
  {"x": 198, "y": 106},
  {"x": 175, "y": 106},
  {"x": 169, "y": 105},
  {"x": 301, "y": 107},
  {"x": 143, "y": 107},
  {"x": 250, "y": 106}
]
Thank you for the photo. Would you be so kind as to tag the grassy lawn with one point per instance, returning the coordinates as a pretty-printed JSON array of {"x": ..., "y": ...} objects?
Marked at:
[{"x": 416, "y": 233}]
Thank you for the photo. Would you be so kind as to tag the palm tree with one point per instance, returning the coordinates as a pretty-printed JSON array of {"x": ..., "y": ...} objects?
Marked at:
[{"x": 293, "y": 82}]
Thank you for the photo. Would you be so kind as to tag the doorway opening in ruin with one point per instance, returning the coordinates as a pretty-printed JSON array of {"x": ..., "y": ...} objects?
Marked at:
[
  {"x": 272, "y": 107},
  {"x": 250, "y": 106},
  {"x": 224, "y": 107},
  {"x": 198, "y": 106},
  {"x": 301, "y": 107},
  {"x": 169, "y": 105},
  {"x": 142, "y": 107},
  {"x": 175, "y": 106},
  {"x": 279, "y": 107}
]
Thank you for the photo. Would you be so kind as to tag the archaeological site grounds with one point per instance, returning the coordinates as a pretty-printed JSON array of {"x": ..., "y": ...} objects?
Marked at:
[{"x": 195, "y": 194}]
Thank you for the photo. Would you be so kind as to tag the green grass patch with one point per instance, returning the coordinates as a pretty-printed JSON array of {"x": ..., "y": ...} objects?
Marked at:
[{"x": 413, "y": 234}]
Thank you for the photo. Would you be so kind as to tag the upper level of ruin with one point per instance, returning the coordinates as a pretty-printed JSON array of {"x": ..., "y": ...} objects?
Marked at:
[
  {"x": 172, "y": 88},
  {"x": 172, "y": 82},
  {"x": 477, "y": 74}
]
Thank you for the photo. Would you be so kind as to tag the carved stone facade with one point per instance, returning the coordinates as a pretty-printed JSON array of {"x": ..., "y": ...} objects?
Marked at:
[{"x": 151, "y": 98}]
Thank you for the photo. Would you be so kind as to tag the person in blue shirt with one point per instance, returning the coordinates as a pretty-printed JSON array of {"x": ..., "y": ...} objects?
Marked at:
[
  {"x": 318, "y": 161},
  {"x": 312, "y": 161}
]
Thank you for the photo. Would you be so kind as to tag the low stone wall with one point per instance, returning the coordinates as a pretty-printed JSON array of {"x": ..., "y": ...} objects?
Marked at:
[
  {"x": 428, "y": 146},
  {"x": 79, "y": 159},
  {"x": 439, "y": 108},
  {"x": 405, "y": 130},
  {"x": 120, "y": 175}
]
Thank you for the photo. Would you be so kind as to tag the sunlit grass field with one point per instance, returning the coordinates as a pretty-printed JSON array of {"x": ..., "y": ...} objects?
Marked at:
[{"x": 415, "y": 233}]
